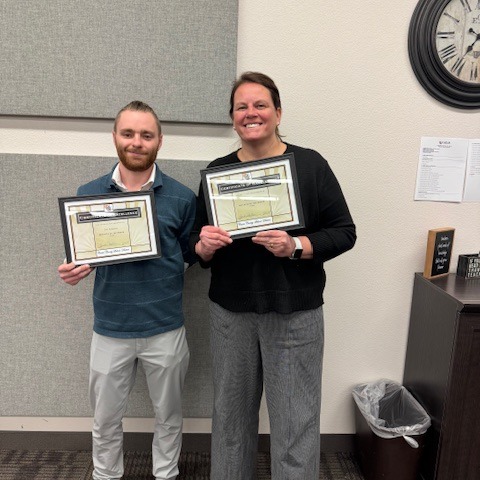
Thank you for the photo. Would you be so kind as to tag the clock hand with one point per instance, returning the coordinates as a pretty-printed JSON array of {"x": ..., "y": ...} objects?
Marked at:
[{"x": 470, "y": 47}]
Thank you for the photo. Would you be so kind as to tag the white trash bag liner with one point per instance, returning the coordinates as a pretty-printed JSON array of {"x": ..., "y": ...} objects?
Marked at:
[{"x": 391, "y": 410}]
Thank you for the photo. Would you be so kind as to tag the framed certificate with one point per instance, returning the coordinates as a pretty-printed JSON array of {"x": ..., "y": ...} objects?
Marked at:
[
  {"x": 252, "y": 196},
  {"x": 108, "y": 229}
]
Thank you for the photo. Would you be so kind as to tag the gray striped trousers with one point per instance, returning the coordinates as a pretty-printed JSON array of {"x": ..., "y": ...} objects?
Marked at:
[{"x": 284, "y": 353}]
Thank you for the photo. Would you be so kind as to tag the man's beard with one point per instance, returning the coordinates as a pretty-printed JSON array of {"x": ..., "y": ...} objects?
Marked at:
[{"x": 139, "y": 165}]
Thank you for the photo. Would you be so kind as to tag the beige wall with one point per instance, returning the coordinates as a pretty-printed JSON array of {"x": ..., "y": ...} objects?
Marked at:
[{"x": 349, "y": 92}]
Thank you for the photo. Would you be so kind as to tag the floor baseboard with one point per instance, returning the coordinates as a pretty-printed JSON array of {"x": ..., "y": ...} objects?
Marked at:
[{"x": 198, "y": 442}]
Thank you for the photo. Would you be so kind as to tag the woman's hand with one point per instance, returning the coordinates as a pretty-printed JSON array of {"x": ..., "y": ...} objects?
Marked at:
[
  {"x": 211, "y": 239},
  {"x": 280, "y": 243}
]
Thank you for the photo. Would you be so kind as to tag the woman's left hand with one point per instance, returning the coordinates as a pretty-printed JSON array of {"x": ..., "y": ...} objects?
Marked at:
[{"x": 278, "y": 242}]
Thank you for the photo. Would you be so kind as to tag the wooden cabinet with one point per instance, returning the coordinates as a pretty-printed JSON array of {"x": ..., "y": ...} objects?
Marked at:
[{"x": 442, "y": 371}]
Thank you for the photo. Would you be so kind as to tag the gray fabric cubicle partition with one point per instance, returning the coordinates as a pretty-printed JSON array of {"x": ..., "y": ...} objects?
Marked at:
[
  {"x": 70, "y": 58},
  {"x": 45, "y": 324}
]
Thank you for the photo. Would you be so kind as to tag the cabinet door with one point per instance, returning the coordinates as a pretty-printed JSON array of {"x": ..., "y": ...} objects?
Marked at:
[{"x": 459, "y": 455}]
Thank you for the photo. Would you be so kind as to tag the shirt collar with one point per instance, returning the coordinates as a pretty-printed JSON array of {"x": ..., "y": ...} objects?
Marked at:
[{"x": 117, "y": 180}]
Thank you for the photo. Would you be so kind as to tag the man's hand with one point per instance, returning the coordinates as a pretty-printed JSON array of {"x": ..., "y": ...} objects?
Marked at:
[{"x": 72, "y": 274}]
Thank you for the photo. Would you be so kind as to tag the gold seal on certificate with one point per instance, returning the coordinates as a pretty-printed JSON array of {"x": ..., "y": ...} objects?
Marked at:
[
  {"x": 244, "y": 198},
  {"x": 107, "y": 229}
]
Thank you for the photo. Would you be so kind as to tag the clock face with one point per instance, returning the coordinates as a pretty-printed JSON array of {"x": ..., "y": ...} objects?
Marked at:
[
  {"x": 444, "y": 50},
  {"x": 457, "y": 39}
]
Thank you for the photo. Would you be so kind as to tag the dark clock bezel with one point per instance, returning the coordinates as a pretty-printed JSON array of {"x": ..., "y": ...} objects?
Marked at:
[{"x": 426, "y": 63}]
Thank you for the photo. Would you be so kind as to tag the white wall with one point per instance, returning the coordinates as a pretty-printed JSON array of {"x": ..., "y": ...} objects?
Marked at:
[{"x": 349, "y": 92}]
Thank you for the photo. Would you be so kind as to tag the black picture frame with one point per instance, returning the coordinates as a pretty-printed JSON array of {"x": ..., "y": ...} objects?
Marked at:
[
  {"x": 256, "y": 180},
  {"x": 104, "y": 230},
  {"x": 427, "y": 65}
]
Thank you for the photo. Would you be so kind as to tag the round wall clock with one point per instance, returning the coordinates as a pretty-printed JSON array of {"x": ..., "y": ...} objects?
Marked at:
[{"x": 444, "y": 50}]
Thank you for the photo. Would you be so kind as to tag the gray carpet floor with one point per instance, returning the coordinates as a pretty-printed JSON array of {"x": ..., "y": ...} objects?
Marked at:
[{"x": 67, "y": 465}]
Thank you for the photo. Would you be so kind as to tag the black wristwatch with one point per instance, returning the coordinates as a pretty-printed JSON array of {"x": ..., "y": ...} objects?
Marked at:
[{"x": 297, "y": 252}]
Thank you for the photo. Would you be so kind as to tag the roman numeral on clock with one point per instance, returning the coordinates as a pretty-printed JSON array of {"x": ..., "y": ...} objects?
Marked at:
[
  {"x": 447, "y": 53},
  {"x": 458, "y": 66},
  {"x": 450, "y": 16},
  {"x": 466, "y": 6},
  {"x": 474, "y": 72},
  {"x": 446, "y": 35}
]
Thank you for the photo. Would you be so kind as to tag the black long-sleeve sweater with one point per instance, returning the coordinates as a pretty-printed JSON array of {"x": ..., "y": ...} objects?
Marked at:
[{"x": 248, "y": 278}]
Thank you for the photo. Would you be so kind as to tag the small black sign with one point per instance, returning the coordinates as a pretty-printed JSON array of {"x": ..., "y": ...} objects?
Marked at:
[{"x": 439, "y": 252}]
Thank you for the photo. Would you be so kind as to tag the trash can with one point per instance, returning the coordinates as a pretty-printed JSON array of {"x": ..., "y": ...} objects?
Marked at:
[{"x": 390, "y": 431}]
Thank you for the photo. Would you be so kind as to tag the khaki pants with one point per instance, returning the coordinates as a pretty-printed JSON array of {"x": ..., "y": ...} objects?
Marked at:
[{"x": 113, "y": 366}]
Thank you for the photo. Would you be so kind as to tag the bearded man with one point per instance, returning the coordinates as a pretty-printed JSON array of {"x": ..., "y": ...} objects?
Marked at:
[{"x": 138, "y": 305}]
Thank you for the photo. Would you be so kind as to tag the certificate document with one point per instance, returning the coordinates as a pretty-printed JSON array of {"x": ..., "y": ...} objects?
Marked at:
[
  {"x": 252, "y": 196},
  {"x": 107, "y": 229}
]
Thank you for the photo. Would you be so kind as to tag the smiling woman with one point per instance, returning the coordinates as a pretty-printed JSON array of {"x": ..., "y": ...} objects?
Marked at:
[
  {"x": 266, "y": 301},
  {"x": 255, "y": 118}
]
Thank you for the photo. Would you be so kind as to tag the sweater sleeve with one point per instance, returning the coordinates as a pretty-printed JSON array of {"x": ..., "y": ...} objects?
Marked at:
[{"x": 336, "y": 233}]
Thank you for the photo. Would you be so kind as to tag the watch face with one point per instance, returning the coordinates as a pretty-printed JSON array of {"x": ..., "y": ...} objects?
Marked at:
[{"x": 458, "y": 39}]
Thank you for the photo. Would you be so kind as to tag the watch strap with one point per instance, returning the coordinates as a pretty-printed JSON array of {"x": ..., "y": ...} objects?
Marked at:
[{"x": 297, "y": 252}]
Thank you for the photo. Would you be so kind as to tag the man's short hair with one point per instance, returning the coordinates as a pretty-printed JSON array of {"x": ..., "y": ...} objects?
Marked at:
[{"x": 138, "y": 106}]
